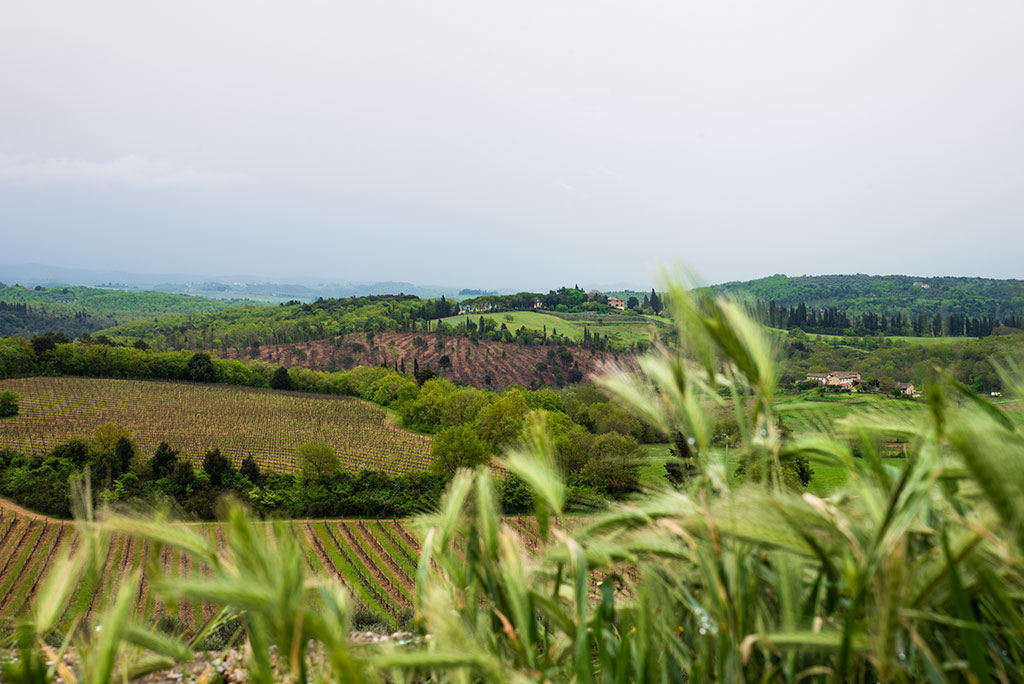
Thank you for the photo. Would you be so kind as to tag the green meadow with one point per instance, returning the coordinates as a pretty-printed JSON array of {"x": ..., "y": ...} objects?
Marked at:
[{"x": 622, "y": 330}]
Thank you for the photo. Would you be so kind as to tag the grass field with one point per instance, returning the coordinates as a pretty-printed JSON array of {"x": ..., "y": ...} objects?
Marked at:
[
  {"x": 194, "y": 418},
  {"x": 826, "y": 479},
  {"x": 809, "y": 411},
  {"x": 622, "y": 330}
]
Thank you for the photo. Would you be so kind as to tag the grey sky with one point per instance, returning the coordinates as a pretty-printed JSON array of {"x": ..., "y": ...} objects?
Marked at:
[{"x": 513, "y": 144}]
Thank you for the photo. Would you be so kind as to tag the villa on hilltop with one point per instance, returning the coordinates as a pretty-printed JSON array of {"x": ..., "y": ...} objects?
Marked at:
[{"x": 617, "y": 303}]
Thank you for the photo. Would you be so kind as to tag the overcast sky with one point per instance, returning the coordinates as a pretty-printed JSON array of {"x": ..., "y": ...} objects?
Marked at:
[{"x": 513, "y": 144}]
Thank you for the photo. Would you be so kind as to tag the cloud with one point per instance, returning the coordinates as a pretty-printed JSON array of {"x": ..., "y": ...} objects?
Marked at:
[{"x": 130, "y": 170}]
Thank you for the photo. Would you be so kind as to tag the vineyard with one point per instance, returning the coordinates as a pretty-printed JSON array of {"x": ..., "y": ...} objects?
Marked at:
[
  {"x": 375, "y": 559},
  {"x": 193, "y": 418},
  {"x": 483, "y": 363}
]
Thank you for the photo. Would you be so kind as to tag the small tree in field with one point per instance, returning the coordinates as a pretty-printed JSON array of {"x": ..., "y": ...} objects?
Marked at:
[
  {"x": 8, "y": 404},
  {"x": 317, "y": 461}
]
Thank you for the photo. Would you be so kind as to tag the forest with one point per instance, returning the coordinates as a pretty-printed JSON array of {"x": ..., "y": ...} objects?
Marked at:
[{"x": 888, "y": 295}]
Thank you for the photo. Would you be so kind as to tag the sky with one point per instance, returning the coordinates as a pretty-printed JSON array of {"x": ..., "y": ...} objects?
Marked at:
[{"x": 513, "y": 144}]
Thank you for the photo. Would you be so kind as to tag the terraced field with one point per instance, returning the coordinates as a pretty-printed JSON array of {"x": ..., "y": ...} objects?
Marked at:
[
  {"x": 375, "y": 559},
  {"x": 194, "y": 418}
]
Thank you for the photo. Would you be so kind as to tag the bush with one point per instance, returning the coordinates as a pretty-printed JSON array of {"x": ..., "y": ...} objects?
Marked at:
[{"x": 8, "y": 404}]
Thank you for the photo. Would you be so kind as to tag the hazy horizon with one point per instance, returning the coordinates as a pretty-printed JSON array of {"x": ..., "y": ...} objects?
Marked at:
[{"x": 513, "y": 146}]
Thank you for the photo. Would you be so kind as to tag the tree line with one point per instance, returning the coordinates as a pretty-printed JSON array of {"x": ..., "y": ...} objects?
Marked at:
[{"x": 835, "y": 321}]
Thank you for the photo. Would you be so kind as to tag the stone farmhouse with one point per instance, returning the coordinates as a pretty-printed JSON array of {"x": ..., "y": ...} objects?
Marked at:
[
  {"x": 906, "y": 387},
  {"x": 845, "y": 379},
  {"x": 617, "y": 303}
]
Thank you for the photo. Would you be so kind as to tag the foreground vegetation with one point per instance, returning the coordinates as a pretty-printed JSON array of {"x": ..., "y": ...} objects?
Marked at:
[{"x": 903, "y": 575}]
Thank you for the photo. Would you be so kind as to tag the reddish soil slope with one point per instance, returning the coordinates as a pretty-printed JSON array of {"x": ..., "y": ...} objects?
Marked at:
[{"x": 472, "y": 363}]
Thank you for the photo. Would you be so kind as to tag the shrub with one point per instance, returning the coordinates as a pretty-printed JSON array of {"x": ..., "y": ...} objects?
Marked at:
[{"x": 8, "y": 404}]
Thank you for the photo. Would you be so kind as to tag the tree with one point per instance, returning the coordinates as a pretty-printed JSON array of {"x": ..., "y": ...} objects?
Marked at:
[
  {"x": 422, "y": 375},
  {"x": 317, "y": 461},
  {"x": 106, "y": 451},
  {"x": 457, "y": 447},
  {"x": 280, "y": 380},
  {"x": 124, "y": 452},
  {"x": 163, "y": 461},
  {"x": 216, "y": 466},
  {"x": 632, "y": 303},
  {"x": 249, "y": 469},
  {"x": 502, "y": 422},
  {"x": 8, "y": 404},
  {"x": 200, "y": 368},
  {"x": 656, "y": 305},
  {"x": 183, "y": 477}
]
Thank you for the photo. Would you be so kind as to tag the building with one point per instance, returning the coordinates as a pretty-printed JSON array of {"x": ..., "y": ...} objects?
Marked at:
[
  {"x": 844, "y": 379},
  {"x": 617, "y": 303},
  {"x": 906, "y": 387}
]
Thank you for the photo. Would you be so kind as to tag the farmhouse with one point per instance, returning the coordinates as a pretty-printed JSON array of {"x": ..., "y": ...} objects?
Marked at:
[
  {"x": 617, "y": 303},
  {"x": 906, "y": 387},
  {"x": 845, "y": 379}
]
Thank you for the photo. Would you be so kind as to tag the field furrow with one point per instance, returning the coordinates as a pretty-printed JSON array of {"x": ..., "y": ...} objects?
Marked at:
[
  {"x": 384, "y": 562},
  {"x": 60, "y": 539},
  {"x": 9, "y": 588}
]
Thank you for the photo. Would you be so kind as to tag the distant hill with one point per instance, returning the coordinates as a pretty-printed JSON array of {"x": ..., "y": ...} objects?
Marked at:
[
  {"x": 888, "y": 295},
  {"x": 76, "y": 310},
  {"x": 229, "y": 286}
]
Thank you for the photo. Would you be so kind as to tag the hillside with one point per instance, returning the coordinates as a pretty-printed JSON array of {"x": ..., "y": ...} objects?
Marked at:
[
  {"x": 77, "y": 310},
  {"x": 888, "y": 295},
  {"x": 481, "y": 363},
  {"x": 194, "y": 418},
  {"x": 243, "y": 327}
]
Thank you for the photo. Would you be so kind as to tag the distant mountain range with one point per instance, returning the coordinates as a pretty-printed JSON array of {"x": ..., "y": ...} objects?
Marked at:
[
  {"x": 219, "y": 286},
  {"x": 239, "y": 286}
]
